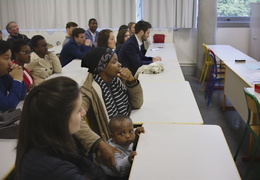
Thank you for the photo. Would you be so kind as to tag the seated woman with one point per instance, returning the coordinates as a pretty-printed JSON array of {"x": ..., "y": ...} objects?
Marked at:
[
  {"x": 104, "y": 95},
  {"x": 131, "y": 27},
  {"x": 106, "y": 38},
  {"x": 121, "y": 37},
  {"x": 43, "y": 63},
  {"x": 21, "y": 54},
  {"x": 47, "y": 148},
  {"x": 12, "y": 87}
]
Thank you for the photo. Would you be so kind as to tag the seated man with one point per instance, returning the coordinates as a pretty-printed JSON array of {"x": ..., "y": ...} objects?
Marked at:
[
  {"x": 92, "y": 33},
  {"x": 70, "y": 26},
  {"x": 13, "y": 29},
  {"x": 75, "y": 48},
  {"x": 130, "y": 55}
]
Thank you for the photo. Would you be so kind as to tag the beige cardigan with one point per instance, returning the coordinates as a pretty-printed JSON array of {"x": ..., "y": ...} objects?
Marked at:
[{"x": 41, "y": 68}]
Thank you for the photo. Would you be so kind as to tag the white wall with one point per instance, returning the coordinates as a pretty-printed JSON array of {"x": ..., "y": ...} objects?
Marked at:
[{"x": 236, "y": 37}]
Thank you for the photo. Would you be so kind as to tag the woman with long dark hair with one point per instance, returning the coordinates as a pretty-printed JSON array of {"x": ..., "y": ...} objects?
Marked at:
[{"x": 47, "y": 148}]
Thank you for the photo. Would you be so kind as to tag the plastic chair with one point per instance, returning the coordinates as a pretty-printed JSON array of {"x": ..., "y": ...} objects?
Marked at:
[
  {"x": 206, "y": 65},
  {"x": 252, "y": 125},
  {"x": 215, "y": 77}
]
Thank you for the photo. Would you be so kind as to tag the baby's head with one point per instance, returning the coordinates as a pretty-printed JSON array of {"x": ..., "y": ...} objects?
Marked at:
[{"x": 122, "y": 130}]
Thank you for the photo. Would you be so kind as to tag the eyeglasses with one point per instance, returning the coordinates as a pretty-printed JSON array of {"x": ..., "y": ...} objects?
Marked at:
[
  {"x": 25, "y": 53},
  {"x": 43, "y": 46}
]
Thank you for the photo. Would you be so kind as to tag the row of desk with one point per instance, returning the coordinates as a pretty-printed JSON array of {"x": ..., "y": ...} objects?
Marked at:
[
  {"x": 176, "y": 144},
  {"x": 237, "y": 76}
]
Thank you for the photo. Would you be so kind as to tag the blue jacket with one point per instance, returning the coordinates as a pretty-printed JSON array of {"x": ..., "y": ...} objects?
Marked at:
[
  {"x": 71, "y": 51},
  {"x": 88, "y": 35},
  {"x": 11, "y": 92},
  {"x": 131, "y": 57}
]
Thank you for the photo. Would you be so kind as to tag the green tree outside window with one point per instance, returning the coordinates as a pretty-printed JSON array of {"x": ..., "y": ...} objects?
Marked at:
[{"x": 234, "y": 8}]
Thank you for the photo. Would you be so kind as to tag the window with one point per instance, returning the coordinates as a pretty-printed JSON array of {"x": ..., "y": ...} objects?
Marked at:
[{"x": 234, "y": 13}]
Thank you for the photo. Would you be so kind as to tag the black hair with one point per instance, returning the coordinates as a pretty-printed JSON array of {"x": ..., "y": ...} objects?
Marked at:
[
  {"x": 16, "y": 47},
  {"x": 142, "y": 25},
  {"x": 71, "y": 24},
  {"x": 4, "y": 47},
  {"x": 120, "y": 38},
  {"x": 35, "y": 39},
  {"x": 45, "y": 118},
  {"x": 103, "y": 37},
  {"x": 92, "y": 19},
  {"x": 114, "y": 121},
  {"x": 123, "y": 27},
  {"x": 77, "y": 31}
]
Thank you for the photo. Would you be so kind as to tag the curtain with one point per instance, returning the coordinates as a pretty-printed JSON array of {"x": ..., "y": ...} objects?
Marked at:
[
  {"x": 170, "y": 13},
  {"x": 54, "y": 14}
]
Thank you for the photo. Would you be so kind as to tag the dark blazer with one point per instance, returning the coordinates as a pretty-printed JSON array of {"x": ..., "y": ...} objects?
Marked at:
[
  {"x": 131, "y": 57},
  {"x": 11, "y": 38},
  {"x": 71, "y": 51}
]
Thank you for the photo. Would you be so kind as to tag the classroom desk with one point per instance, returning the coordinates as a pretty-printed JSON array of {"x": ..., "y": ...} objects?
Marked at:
[
  {"x": 56, "y": 49},
  {"x": 74, "y": 71},
  {"x": 167, "y": 102},
  {"x": 7, "y": 155},
  {"x": 236, "y": 78},
  {"x": 172, "y": 69},
  {"x": 183, "y": 152},
  {"x": 227, "y": 53}
]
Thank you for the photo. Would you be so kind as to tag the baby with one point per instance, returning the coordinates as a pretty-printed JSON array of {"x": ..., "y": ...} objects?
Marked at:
[{"x": 122, "y": 137}]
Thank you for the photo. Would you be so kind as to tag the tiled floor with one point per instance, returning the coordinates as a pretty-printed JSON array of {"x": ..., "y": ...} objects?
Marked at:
[{"x": 230, "y": 122}]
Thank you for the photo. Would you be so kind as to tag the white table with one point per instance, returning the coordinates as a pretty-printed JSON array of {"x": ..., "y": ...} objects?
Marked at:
[
  {"x": 183, "y": 152},
  {"x": 236, "y": 76},
  {"x": 7, "y": 155},
  {"x": 167, "y": 102},
  {"x": 74, "y": 71},
  {"x": 56, "y": 49},
  {"x": 228, "y": 53},
  {"x": 172, "y": 69}
]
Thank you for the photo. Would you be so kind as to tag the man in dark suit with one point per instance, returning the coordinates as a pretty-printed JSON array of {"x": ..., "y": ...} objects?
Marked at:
[{"x": 130, "y": 55}]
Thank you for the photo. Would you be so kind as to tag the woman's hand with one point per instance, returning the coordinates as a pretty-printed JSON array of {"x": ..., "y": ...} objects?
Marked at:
[
  {"x": 126, "y": 74},
  {"x": 16, "y": 72}
]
